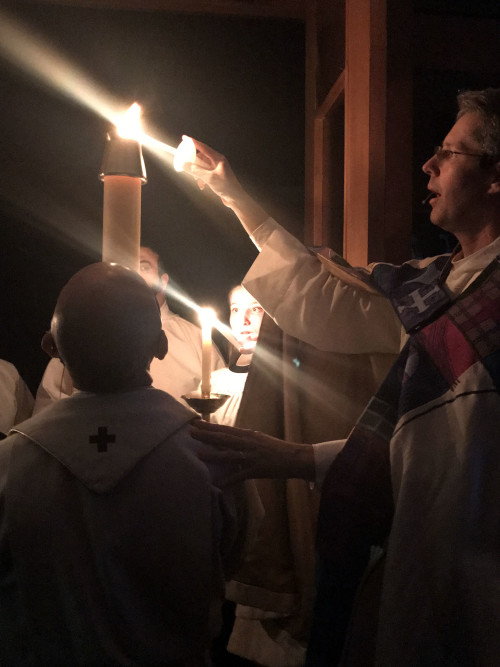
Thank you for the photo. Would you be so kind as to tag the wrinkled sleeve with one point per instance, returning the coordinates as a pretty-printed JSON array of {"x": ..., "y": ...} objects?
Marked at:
[
  {"x": 325, "y": 454},
  {"x": 311, "y": 304}
]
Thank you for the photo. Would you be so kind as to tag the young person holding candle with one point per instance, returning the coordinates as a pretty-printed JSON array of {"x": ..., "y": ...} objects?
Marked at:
[
  {"x": 418, "y": 474},
  {"x": 245, "y": 319},
  {"x": 178, "y": 373}
]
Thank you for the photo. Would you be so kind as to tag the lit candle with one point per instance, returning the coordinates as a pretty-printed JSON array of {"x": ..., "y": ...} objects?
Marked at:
[
  {"x": 207, "y": 317},
  {"x": 185, "y": 152},
  {"x": 123, "y": 174}
]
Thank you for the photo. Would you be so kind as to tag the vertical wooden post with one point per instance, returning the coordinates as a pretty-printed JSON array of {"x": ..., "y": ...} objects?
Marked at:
[{"x": 365, "y": 95}]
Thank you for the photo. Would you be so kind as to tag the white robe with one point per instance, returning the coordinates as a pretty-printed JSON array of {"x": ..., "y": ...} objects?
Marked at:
[
  {"x": 311, "y": 303},
  {"x": 115, "y": 555},
  {"x": 179, "y": 373},
  {"x": 226, "y": 381},
  {"x": 308, "y": 302},
  {"x": 16, "y": 401}
]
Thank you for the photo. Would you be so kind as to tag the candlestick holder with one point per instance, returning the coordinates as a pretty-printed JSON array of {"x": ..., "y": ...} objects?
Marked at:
[
  {"x": 122, "y": 157},
  {"x": 205, "y": 405}
]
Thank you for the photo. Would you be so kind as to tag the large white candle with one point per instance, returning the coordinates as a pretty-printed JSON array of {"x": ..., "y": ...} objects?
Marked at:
[
  {"x": 123, "y": 174},
  {"x": 207, "y": 317},
  {"x": 121, "y": 231}
]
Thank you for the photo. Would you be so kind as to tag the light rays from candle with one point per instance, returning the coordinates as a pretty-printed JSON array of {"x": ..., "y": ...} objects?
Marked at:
[
  {"x": 25, "y": 49},
  {"x": 275, "y": 369},
  {"x": 320, "y": 393},
  {"x": 176, "y": 293},
  {"x": 31, "y": 53}
]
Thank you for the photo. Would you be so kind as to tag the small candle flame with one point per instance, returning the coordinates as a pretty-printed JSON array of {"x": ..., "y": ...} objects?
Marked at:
[
  {"x": 186, "y": 152},
  {"x": 129, "y": 125},
  {"x": 207, "y": 316}
]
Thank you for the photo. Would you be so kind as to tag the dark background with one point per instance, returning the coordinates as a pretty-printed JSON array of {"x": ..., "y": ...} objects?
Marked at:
[{"x": 234, "y": 83}]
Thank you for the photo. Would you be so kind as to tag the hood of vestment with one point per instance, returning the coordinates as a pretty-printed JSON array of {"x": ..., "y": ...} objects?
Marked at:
[{"x": 100, "y": 438}]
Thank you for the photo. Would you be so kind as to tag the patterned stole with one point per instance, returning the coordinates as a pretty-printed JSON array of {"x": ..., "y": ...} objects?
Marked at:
[{"x": 356, "y": 507}]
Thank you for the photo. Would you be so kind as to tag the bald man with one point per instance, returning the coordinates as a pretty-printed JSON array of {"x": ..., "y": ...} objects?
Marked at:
[
  {"x": 178, "y": 373},
  {"x": 112, "y": 534}
]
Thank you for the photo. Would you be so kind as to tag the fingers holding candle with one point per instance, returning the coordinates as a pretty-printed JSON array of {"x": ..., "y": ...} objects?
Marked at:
[
  {"x": 186, "y": 152},
  {"x": 211, "y": 168}
]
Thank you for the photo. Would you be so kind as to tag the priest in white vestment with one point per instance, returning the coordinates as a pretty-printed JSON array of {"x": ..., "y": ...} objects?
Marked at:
[{"x": 418, "y": 475}]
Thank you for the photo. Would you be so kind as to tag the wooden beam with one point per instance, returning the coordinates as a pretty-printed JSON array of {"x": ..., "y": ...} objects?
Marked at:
[
  {"x": 327, "y": 179},
  {"x": 335, "y": 95},
  {"x": 311, "y": 66},
  {"x": 378, "y": 135},
  {"x": 365, "y": 99},
  {"x": 292, "y": 9}
]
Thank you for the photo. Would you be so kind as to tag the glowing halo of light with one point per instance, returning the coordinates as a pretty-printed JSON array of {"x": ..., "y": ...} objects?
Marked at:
[
  {"x": 186, "y": 152},
  {"x": 128, "y": 125},
  {"x": 29, "y": 52},
  {"x": 207, "y": 316}
]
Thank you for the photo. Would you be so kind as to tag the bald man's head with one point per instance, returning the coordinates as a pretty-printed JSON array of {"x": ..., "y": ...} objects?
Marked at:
[{"x": 107, "y": 329}]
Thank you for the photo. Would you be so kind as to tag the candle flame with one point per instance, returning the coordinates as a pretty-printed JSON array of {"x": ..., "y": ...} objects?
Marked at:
[
  {"x": 186, "y": 152},
  {"x": 129, "y": 125},
  {"x": 207, "y": 316}
]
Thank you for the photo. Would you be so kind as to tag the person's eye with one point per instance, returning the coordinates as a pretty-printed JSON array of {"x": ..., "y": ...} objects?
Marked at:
[{"x": 443, "y": 154}]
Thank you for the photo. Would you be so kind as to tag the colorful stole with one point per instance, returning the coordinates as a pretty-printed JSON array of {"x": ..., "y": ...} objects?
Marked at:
[
  {"x": 357, "y": 504},
  {"x": 447, "y": 336}
]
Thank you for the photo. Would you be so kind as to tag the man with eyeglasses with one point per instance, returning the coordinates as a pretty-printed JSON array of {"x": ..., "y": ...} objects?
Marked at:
[{"x": 418, "y": 476}]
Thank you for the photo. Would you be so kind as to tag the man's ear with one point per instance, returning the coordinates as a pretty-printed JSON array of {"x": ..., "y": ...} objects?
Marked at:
[
  {"x": 495, "y": 182},
  {"x": 49, "y": 345},
  {"x": 164, "y": 280},
  {"x": 162, "y": 346}
]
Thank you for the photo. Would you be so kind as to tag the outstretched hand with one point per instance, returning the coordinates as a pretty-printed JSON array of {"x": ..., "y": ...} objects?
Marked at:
[
  {"x": 253, "y": 455},
  {"x": 212, "y": 168}
]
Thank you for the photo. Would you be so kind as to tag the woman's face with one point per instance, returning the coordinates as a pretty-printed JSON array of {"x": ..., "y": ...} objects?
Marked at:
[{"x": 245, "y": 318}]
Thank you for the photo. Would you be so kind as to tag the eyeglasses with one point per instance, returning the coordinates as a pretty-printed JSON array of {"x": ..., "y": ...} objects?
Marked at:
[{"x": 442, "y": 154}]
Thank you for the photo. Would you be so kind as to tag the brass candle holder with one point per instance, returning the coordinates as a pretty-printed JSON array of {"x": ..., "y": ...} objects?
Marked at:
[{"x": 205, "y": 405}]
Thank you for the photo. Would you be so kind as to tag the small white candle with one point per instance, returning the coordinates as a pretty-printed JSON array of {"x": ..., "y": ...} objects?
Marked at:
[{"x": 207, "y": 317}]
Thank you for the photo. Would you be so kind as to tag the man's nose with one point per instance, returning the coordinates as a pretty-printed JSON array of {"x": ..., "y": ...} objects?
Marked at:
[{"x": 431, "y": 166}]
